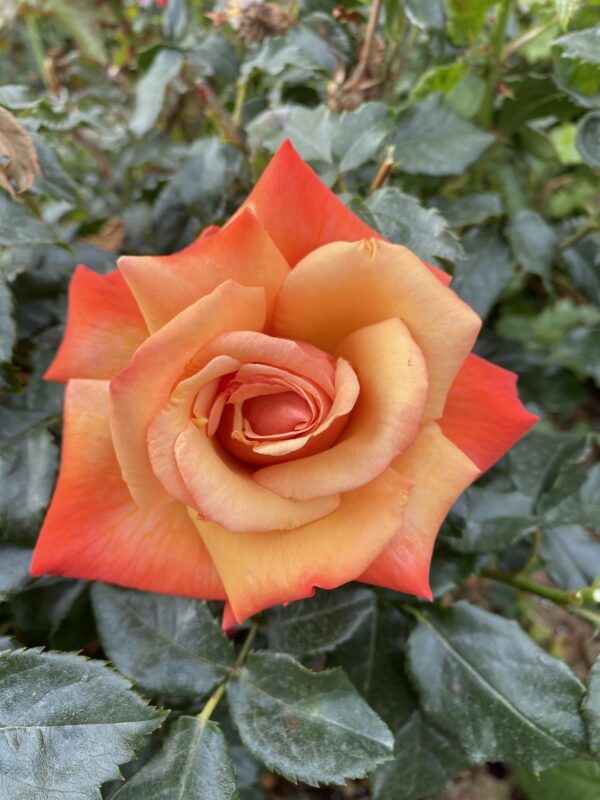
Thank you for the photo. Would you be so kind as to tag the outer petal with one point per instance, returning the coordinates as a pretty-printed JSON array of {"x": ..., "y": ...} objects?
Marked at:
[
  {"x": 393, "y": 387},
  {"x": 223, "y": 490},
  {"x": 139, "y": 392},
  {"x": 104, "y": 327},
  {"x": 243, "y": 252},
  {"x": 300, "y": 213},
  {"x": 483, "y": 414},
  {"x": 261, "y": 569},
  {"x": 343, "y": 287},
  {"x": 440, "y": 472},
  {"x": 93, "y": 528}
]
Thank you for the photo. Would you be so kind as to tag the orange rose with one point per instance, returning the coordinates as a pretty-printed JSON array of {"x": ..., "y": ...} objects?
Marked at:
[{"x": 289, "y": 402}]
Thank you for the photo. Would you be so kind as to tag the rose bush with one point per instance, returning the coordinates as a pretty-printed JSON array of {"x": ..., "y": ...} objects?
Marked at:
[{"x": 290, "y": 402}]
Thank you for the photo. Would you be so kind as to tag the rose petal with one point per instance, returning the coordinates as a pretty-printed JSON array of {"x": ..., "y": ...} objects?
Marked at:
[
  {"x": 342, "y": 287},
  {"x": 142, "y": 389},
  {"x": 172, "y": 420},
  {"x": 313, "y": 216},
  {"x": 93, "y": 528},
  {"x": 483, "y": 414},
  {"x": 261, "y": 569},
  {"x": 104, "y": 327},
  {"x": 224, "y": 492},
  {"x": 439, "y": 472},
  {"x": 393, "y": 386},
  {"x": 243, "y": 252}
]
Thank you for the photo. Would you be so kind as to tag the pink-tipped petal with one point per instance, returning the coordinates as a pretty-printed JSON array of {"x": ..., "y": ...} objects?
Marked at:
[
  {"x": 104, "y": 328},
  {"x": 93, "y": 528},
  {"x": 483, "y": 414},
  {"x": 440, "y": 472}
]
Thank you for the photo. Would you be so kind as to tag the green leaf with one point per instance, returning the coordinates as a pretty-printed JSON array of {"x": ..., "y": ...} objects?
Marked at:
[
  {"x": 440, "y": 78},
  {"x": 79, "y": 21},
  {"x": 583, "y": 45},
  {"x": 466, "y": 19},
  {"x": 426, "y": 760},
  {"x": 151, "y": 89},
  {"x": 321, "y": 623},
  {"x": 424, "y": 13},
  {"x": 470, "y": 209},
  {"x": 372, "y": 659},
  {"x": 481, "y": 279},
  {"x": 66, "y": 723},
  {"x": 44, "y": 609},
  {"x": 169, "y": 645},
  {"x": 549, "y": 466},
  {"x": 310, "y": 130},
  {"x": 7, "y": 323},
  {"x": 588, "y": 138},
  {"x": 28, "y": 462},
  {"x": 571, "y": 555},
  {"x": 489, "y": 520},
  {"x": 193, "y": 764},
  {"x": 14, "y": 569},
  {"x": 307, "y": 726},
  {"x": 535, "y": 97},
  {"x": 565, "y": 10},
  {"x": 591, "y": 708},
  {"x": 449, "y": 570},
  {"x": 431, "y": 139},
  {"x": 578, "y": 780},
  {"x": 533, "y": 242},
  {"x": 482, "y": 678},
  {"x": 403, "y": 220},
  {"x": 359, "y": 134},
  {"x": 18, "y": 229}
]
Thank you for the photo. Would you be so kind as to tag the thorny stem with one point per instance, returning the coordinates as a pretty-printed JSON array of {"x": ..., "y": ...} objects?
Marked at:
[
  {"x": 570, "y": 600},
  {"x": 216, "y": 696},
  {"x": 497, "y": 43}
]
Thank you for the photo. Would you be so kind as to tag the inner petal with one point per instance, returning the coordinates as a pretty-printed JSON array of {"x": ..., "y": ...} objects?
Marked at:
[{"x": 277, "y": 413}]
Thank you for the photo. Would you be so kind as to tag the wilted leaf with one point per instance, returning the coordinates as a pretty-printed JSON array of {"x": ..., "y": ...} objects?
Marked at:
[{"x": 18, "y": 156}]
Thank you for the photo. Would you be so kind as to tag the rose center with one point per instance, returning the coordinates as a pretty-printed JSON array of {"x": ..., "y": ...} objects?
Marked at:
[{"x": 269, "y": 414}]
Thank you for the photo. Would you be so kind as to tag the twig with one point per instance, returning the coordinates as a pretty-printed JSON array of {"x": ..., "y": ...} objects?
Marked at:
[
  {"x": 221, "y": 117},
  {"x": 365, "y": 53},
  {"x": 495, "y": 70},
  {"x": 527, "y": 37},
  {"x": 383, "y": 171},
  {"x": 213, "y": 700}
]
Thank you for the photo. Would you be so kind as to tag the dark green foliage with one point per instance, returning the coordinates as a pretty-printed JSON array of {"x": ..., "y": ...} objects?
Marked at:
[{"x": 471, "y": 137}]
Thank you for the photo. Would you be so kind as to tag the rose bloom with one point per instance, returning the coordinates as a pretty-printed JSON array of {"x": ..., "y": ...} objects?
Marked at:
[{"x": 290, "y": 402}]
